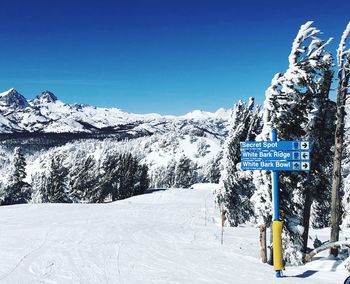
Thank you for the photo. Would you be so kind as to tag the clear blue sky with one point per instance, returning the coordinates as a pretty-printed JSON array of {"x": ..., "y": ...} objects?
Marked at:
[{"x": 166, "y": 56}]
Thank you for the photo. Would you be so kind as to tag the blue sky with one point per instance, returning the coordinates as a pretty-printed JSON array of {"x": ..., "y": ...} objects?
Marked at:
[{"x": 154, "y": 56}]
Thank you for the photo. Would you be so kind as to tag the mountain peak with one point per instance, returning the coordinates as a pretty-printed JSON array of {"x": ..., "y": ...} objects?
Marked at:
[
  {"x": 8, "y": 92},
  {"x": 12, "y": 98},
  {"x": 46, "y": 97}
]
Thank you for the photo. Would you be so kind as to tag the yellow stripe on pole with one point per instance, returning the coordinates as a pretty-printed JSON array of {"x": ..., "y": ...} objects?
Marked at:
[{"x": 277, "y": 245}]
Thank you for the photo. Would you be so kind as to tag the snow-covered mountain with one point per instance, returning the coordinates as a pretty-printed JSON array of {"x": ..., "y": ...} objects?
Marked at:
[
  {"x": 47, "y": 114},
  {"x": 71, "y": 130}
]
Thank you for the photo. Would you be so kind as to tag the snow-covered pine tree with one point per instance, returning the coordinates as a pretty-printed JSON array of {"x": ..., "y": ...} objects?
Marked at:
[
  {"x": 38, "y": 179},
  {"x": 54, "y": 188},
  {"x": 320, "y": 132},
  {"x": 164, "y": 175},
  {"x": 157, "y": 176},
  {"x": 214, "y": 171},
  {"x": 169, "y": 175},
  {"x": 127, "y": 175},
  {"x": 185, "y": 172},
  {"x": 345, "y": 200},
  {"x": 122, "y": 176},
  {"x": 17, "y": 190},
  {"x": 322, "y": 126},
  {"x": 109, "y": 178},
  {"x": 142, "y": 180},
  {"x": 202, "y": 148},
  {"x": 297, "y": 105},
  {"x": 341, "y": 147},
  {"x": 83, "y": 180},
  {"x": 236, "y": 186},
  {"x": 2, "y": 189}
]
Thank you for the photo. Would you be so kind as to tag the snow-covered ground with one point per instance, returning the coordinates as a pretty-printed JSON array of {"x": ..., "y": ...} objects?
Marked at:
[{"x": 167, "y": 237}]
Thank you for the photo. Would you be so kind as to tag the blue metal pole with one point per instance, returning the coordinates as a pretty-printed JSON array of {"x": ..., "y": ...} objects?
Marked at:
[
  {"x": 275, "y": 189},
  {"x": 275, "y": 197}
]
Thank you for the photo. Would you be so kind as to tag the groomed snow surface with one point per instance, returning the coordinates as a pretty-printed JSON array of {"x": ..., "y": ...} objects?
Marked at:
[{"x": 170, "y": 236}]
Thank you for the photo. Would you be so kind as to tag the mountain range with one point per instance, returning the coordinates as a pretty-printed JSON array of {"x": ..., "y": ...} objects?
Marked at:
[
  {"x": 46, "y": 123},
  {"x": 46, "y": 114}
]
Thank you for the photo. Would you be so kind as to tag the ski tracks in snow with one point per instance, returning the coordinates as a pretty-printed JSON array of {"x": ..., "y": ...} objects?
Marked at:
[
  {"x": 167, "y": 237},
  {"x": 24, "y": 258}
]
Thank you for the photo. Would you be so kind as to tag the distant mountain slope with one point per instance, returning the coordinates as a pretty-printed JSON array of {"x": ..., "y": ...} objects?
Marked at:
[
  {"x": 67, "y": 130},
  {"x": 47, "y": 114}
]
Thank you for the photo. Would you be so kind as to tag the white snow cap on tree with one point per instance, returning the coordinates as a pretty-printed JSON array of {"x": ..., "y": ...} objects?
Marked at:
[
  {"x": 341, "y": 51},
  {"x": 343, "y": 56},
  {"x": 290, "y": 106},
  {"x": 315, "y": 47}
]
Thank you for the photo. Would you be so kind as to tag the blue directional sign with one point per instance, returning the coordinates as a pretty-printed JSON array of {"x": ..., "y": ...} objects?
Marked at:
[
  {"x": 275, "y": 165},
  {"x": 275, "y": 145},
  {"x": 275, "y": 155}
]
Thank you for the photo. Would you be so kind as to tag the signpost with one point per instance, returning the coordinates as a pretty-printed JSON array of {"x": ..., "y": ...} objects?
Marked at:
[
  {"x": 275, "y": 156},
  {"x": 275, "y": 145},
  {"x": 276, "y": 165}
]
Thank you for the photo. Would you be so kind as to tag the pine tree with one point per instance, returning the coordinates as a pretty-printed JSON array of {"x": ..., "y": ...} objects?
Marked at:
[
  {"x": 185, "y": 172},
  {"x": 214, "y": 172},
  {"x": 295, "y": 105},
  {"x": 109, "y": 179},
  {"x": 345, "y": 200},
  {"x": 17, "y": 191},
  {"x": 157, "y": 177},
  {"x": 236, "y": 186},
  {"x": 202, "y": 148},
  {"x": 169, "y": 175},
  {"x": 122, "y": 176},
  {"x": 83, "y": 180},
  {"x": 127, "y": 175},
  {"x": 54, "y": 188},
  {"x": 320, "y": 131},
  {"x": 142, "y": 180},
  {"x": 342, "y": 93}
]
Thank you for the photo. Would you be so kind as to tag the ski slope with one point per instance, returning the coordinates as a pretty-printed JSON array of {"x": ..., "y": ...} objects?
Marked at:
[{"x": 167, "y": 237}]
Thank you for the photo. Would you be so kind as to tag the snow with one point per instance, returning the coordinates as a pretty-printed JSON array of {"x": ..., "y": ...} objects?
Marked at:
[
  {"x": 167, "y": 237},
  {"x": 342, "y": 46},
  {"x": 11, "y": 100},
  {"x": 200, "y": 114},
  {"x": 156, "y": 152},
  {"x": 3, "y": 94},
  {"x": 47, "y": 114},
  {"x": 204, "y": 186}
]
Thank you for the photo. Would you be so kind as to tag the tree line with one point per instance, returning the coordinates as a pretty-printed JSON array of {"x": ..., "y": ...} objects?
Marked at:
[
  {"x": 297, "y": 104},
  {"x": 74, "y": 175},
  {"x": 117, "y": 176}
]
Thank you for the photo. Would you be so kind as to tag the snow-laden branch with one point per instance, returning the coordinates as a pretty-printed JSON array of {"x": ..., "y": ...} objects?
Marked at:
[
  {"x": 341, "y": 51},
  {"x": 319, "y": 50},
  {"x": 326, "y": 246},
  {"x": 305, "y": 32}
]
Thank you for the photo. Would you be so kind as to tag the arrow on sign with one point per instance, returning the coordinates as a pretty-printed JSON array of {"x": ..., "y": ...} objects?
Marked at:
[
  {"x": 305, "y": 166},
  {"x": 305, "y": 155},
  {"x": 304, "y": 145},
  {"x": 296, "y": 165}
]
